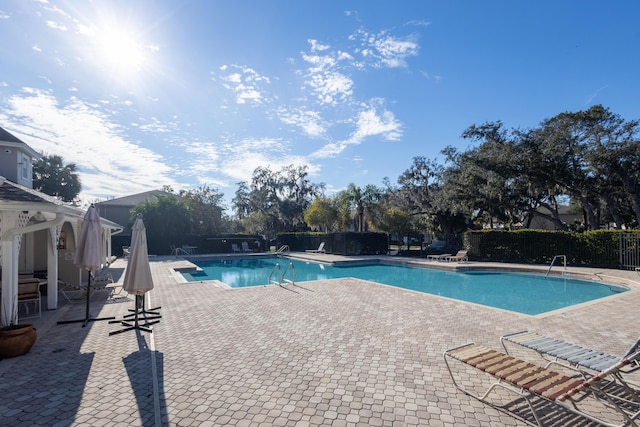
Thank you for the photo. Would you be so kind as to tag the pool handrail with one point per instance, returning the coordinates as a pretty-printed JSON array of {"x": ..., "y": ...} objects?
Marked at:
[
  {"x": 554, "y": 260},
  {"x": 273, "y": 270},
  {"x": 293, "y": 273}
]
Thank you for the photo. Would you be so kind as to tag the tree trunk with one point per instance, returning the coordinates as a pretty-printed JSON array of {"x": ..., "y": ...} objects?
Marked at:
[{"x": 613, "y": 210}]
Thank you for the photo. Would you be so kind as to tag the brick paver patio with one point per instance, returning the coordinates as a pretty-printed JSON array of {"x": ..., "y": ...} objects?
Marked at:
[{"x": 341, "y": 352}]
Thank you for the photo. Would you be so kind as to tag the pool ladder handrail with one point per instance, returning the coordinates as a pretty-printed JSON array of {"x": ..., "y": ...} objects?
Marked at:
[
  {"x": 293, "y": 274},
  {"x": 271, "y": 281},
  {"x": 281, "y": 275},
  {"x": 554, "y": 260},
  {"x": 284, "y": 248}
]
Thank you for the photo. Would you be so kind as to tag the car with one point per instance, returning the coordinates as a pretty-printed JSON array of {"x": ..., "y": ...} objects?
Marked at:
[{"x": 440, "y": 247}]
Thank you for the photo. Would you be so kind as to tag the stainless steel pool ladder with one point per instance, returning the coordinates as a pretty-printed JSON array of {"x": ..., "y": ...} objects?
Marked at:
[
  {"x": 271, "y": 280},
  {"x": 283, "y": 248},
  {"x": 283, "y": 278},
  {"x": 280, "y": 276},
  {"x": 564, "y": 257}
]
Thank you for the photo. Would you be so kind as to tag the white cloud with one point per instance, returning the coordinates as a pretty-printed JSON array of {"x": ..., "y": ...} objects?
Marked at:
[
  {"x": 57, "y": 26},
  {"x": 369, "y": 123},
  {"x": 247, "y": 85},
  {"x": 310, "y": 122},
  {"x": 237, "y": 159},
  {"x": 385, "y": 50},
  {"x": 109, "y": 164}
]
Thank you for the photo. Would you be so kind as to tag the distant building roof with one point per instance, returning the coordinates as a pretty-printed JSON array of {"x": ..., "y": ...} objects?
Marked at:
[
  {"x": 6, "y": 136},
  {"x": 8, "y": 139},
  {"x": 135, "y": 199}
]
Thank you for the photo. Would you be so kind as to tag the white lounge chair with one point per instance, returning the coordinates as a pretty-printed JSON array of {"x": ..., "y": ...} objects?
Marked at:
[
  {"x": 235, "y": 248},
  {"x": 461, "y": 256},
  {"x": 320, "y": 249},
  {"x": 246, "y": 248}
]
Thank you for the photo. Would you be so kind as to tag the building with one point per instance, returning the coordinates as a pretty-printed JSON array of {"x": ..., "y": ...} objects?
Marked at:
[
  {"x": 38, "y": 233},
  {"x": 119, "y": 211}
]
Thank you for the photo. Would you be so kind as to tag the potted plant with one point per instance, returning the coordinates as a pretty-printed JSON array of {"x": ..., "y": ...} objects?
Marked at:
[{"x": 17, "y": 339}]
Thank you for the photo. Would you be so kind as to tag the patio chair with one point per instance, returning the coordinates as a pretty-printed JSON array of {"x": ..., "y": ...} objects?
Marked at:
[
  {"x": 176, "y": 250},
  {"x": 29, "y": 293},
  {"x": 461, "y": 256},
  {"x": 558, "y": 351},
  {"x": 320, "y": 249},
  {"x": 528, "y": 380},
  {"x": 72, "y": 293},
  {"x": 235, "y": 248},
  {"x": 246, "y": 248},
  {"x": 103, "y": 282}
]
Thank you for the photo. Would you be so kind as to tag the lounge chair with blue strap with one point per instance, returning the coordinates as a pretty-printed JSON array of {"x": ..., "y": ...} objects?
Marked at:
[
  {"x": 532, "y": 381},
  {"x": 558, "y": 351}
]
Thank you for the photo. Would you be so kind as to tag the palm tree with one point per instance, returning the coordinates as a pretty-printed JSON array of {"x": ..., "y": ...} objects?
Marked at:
[{"x": 362, "y": 200}]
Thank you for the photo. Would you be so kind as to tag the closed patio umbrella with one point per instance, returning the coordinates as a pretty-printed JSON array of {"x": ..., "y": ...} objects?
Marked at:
[
  {"x": 89, "y": 255},
  {"x": 137, "y": 277}
]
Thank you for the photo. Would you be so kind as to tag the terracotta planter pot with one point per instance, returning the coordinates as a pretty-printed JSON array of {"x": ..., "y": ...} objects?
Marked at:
[{"x": 16, "y": 340}]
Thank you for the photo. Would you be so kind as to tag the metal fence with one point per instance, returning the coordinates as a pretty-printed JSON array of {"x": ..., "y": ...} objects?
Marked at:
[
  {"x": 630, "y": 250},
  {"x": 607, "y": 250}
]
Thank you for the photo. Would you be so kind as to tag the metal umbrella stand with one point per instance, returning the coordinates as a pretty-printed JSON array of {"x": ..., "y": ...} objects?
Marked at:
[
  {"x": 138, "y": 281},
  {"x": 89, "y": 256}
]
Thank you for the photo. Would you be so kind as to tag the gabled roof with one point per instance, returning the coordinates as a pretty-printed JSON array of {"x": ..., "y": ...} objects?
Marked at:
[
  {"x": 12, "y": 192},
  {"x": 16, "y": 197},
  {"x": 8, "y": 139},
  {"x": 6, "y": 136},
  {"x": 135, "y": 199}
]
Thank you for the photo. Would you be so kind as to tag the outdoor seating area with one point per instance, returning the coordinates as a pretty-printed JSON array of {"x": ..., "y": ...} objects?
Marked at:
[
  {"x": 460, "y": 256},
  {"x": 283, "y": 361}
]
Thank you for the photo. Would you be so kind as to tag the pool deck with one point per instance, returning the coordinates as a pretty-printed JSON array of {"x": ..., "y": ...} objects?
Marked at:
[{"x": 341, "y": 352}]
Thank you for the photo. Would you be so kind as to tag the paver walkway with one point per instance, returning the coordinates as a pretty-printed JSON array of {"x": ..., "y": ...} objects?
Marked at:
[{"x": 341, "y": 352}]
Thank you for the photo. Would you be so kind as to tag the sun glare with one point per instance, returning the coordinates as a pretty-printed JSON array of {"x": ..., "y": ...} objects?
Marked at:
[{"x": 119, "y": 51}]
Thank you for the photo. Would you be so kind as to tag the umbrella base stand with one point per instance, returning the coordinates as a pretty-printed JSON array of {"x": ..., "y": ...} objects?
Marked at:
[
  {"x": 134, "y": 324},
  {"x": 87, "y": 318},
  {"x": 85, "y": 321}
]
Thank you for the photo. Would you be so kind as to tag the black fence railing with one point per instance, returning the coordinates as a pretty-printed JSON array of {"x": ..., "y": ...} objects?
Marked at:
[{"x": 595, "y": 249}]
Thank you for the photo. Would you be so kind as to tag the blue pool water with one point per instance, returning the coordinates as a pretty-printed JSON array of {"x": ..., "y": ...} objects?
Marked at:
[{"x": 524, "y": 293}]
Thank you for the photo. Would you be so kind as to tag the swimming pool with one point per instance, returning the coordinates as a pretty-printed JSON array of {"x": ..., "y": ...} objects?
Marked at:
[{"x": 520, "y": 292}]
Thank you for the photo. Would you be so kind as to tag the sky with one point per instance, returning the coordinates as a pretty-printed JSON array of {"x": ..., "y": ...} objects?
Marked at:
[{"x": 143, "y": 94}]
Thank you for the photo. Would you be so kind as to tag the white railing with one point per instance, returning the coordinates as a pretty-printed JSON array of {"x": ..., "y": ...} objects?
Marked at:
[{"x": 554, "y": 260}]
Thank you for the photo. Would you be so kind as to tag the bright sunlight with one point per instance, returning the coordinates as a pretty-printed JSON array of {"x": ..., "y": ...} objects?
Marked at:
[{"x": 119, "y": 51}]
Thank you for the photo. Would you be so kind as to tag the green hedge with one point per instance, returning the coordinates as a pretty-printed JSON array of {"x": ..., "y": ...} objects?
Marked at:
[
  {"x": 600, "y": 248},
  {"x": 347, "y": 243}
]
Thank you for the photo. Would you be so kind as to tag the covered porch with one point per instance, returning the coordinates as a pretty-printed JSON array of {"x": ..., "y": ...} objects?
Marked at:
[{"x": 37, "y": 240}]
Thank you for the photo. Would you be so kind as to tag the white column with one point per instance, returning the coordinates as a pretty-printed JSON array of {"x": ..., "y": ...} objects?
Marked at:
[
  {"x": 9, "y": 282},
  {"x": 52, "y": 270}
]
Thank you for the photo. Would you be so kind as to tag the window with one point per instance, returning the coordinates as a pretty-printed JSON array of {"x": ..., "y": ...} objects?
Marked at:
[{"x": 26, "y": 166}]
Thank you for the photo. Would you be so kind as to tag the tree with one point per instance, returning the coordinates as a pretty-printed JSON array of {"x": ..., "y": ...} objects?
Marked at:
[
  {"x": 166, "y": 219},
  {"x": 398, "y": 222},
  {"x": 205, "y": 210},
  {"x": 361, "y": 200},
  {"x": 322, "y": 214},
  {"x": 280, "y": 197},
  {"x": 52, "y": 177}
]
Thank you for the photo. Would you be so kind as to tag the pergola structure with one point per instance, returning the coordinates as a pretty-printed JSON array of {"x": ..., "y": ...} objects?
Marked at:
[{"x": 38, "y": 232}]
